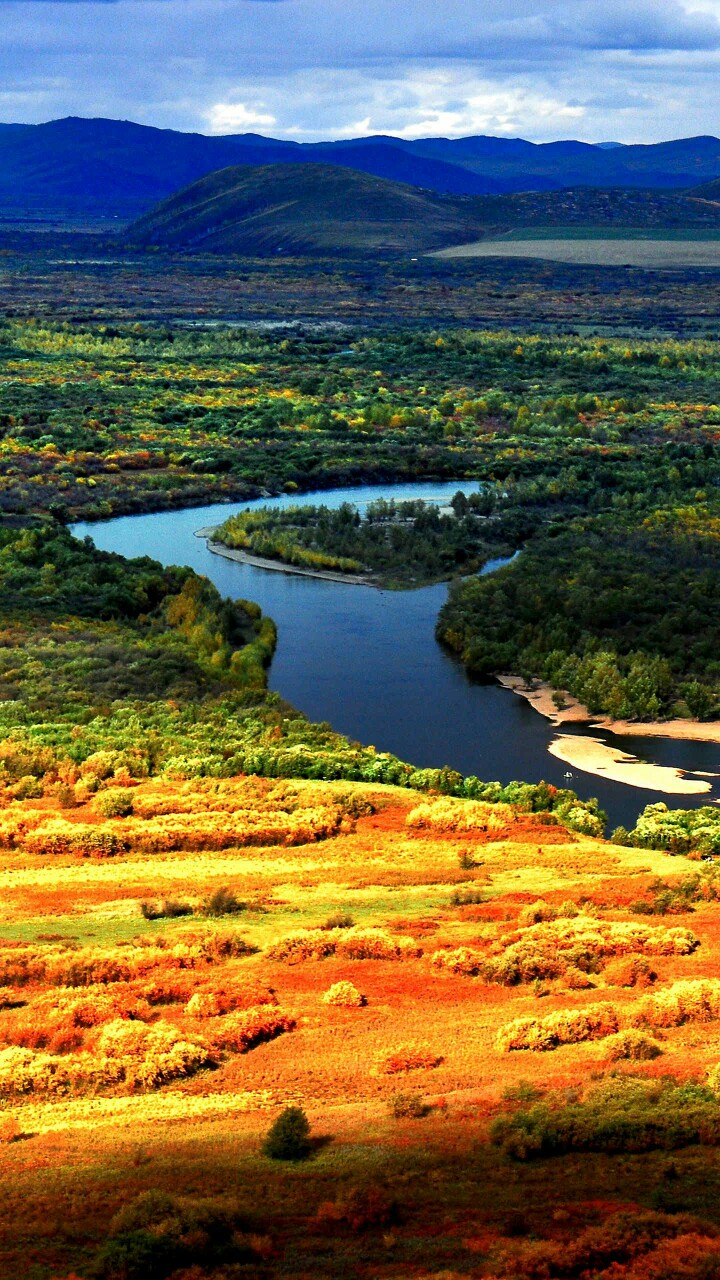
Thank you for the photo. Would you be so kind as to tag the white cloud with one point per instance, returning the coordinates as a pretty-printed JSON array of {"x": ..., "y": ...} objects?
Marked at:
[
  {"x": 237, "y": 117},
  {"x": 310, "y": 69}
]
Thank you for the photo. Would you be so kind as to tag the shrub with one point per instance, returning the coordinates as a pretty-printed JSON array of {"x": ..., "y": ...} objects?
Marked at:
[
  {"x": 408, "y": 1106},
  {"x": 340, "y": 920},
  {"x": 632, "y": 1045},
  {"x": 451, "y": 815},
  {"x": 463, "y": 960},
  {"x": 224, "y": 902},
  {"x": 568, "y": 1026},
  {"x": 289, "y": 1137},
  {"x": 695, "y": 1000},
  {"x": 214, "y": 1004},
  {"x": 408, "y": 1057},
  {"x": 137, "y": 1255},
  {"x": 168, "y": 909},
  {"x": 466, "y": 897},
  {"x": 360, "y": 1209},
  {"x": 348, "y": 944},
  {"x": 114, "y": 802},
  {"x": 344, "y": 994},
  {"x": 243, "y": 1030},
  {"x": 629, "y": 971},
  {"x": 620, "y": 1115}
]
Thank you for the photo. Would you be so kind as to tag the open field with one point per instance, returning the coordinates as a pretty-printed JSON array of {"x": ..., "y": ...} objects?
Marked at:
[
  {"x": 155, "y": 1052},
  {"x": 649, "y": 254}
]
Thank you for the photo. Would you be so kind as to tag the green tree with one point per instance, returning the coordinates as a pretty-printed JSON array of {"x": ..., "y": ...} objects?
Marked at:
[{"x": 289, "y": 1137}]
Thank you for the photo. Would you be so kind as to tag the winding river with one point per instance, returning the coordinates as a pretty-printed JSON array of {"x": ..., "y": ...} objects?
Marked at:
[{"x": 367, "y": 661}]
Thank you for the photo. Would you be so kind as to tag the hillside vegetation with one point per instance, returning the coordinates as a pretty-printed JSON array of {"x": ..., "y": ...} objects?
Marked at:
[
  {"x": 302, "y": 209},
  {"x": 316, "y": 209}
]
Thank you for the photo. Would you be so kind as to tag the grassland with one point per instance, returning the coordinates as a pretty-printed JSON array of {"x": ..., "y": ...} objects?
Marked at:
[{"x": 153, "y": 1053}]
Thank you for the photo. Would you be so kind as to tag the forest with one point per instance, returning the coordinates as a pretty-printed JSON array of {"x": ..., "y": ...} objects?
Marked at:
[{"x": 600, "y": 456}]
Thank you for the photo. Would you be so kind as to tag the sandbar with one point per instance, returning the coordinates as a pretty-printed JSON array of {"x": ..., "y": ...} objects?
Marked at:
[
  {"x": 592, "y": 755},
  {"x": 279, "y": 566}
]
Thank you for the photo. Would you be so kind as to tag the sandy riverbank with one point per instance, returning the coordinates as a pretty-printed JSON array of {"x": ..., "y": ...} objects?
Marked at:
[
  {"x": 592, "y": 755},
  {"x": 278, "y": 566},
  {"x": 540, "y": 696}
]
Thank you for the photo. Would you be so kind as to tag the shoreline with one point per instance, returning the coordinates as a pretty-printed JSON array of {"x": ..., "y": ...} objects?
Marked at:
[
  {"x": 540, "y": 697},
  {"x": 592, "y": 755},
  {"x": 278, "y": 566}
]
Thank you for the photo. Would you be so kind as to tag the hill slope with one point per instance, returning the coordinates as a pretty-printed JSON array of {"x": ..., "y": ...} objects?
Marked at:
[
  {"x": 313, "y": 208},
  {"x": 269, "y": 209}
]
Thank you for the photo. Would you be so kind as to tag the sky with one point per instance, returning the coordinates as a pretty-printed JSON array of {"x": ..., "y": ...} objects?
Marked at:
[{"x": 598, "y": 70}]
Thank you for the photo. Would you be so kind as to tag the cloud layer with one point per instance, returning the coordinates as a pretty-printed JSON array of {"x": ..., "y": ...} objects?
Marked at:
[{"x": 310, "y": 69}]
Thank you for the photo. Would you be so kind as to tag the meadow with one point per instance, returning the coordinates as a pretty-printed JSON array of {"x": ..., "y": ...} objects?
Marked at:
[{"x": 452, "y": 990}]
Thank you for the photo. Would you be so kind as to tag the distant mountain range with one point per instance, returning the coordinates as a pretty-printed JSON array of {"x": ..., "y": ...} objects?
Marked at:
[
  {"x": 112, "y": 167},
  {"x": 295, "y": 209}
]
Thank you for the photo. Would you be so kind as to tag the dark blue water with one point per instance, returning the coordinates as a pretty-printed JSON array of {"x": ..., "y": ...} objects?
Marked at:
[{"x": 367, "y": 662}]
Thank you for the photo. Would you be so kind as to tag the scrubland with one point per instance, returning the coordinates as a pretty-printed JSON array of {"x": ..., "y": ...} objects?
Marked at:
[{"x": 456, "y": 992}]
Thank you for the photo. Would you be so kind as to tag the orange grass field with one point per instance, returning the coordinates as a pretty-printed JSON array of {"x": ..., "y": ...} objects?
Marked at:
[{"x": 501, "y": 1050}]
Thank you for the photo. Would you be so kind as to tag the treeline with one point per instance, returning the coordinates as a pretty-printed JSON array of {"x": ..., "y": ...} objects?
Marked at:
[{"x": 622, "y": 613}]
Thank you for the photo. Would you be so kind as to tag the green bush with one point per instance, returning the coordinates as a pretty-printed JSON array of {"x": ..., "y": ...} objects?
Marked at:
[
  {"x": 115, "y": 802},
  {"x": 620, "y": 1115},
  {"x": 289, "y": 1137}
]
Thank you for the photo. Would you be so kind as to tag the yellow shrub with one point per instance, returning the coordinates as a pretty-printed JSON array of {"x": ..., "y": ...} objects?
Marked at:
[
  {"x": 349, "y": 944},
  {"x": 463, "y": 960},
  {"x": 448, "y": 814},
  {"x": 344, "y": 994},
  {"x": 696, "y": 1000},
  {"x": 568, "y": 1026}
]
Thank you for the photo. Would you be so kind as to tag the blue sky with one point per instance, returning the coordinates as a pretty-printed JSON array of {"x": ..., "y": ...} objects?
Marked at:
[{"x": 308, "y": 69}]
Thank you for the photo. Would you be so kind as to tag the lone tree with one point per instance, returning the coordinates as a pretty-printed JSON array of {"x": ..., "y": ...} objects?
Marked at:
[{"x": 288, "y": 1138}]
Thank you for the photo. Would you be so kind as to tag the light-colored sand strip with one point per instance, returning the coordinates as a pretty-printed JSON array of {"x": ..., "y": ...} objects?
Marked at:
[
  {"x": 258, "y": 562},
  {"x": 592, "y": 755},
  {"x": 632, "y": 252},
  {"x": 540, "y": 696}
]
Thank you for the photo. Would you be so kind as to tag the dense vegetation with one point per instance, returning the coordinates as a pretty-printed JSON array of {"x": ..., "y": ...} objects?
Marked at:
[
  {"x": 399, "y": 543},
  {"x": 603, "y": 454}
]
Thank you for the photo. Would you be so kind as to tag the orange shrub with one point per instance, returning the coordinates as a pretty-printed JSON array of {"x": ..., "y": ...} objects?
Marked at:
[
  {"x": 243, "y": 1030},
  {"x": 408, "y": 1057},
  {"x": 629, "y": 971},
  {"x": 214, "y": 1004},
  {"x": 568, "y": 1026}
]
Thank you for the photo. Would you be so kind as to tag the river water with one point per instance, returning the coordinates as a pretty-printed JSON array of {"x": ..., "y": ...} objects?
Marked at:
[{"x": 367, "y": 661}]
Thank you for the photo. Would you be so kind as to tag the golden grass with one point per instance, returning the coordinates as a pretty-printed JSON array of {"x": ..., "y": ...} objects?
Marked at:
[{"x": 113, "y": 1024}]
